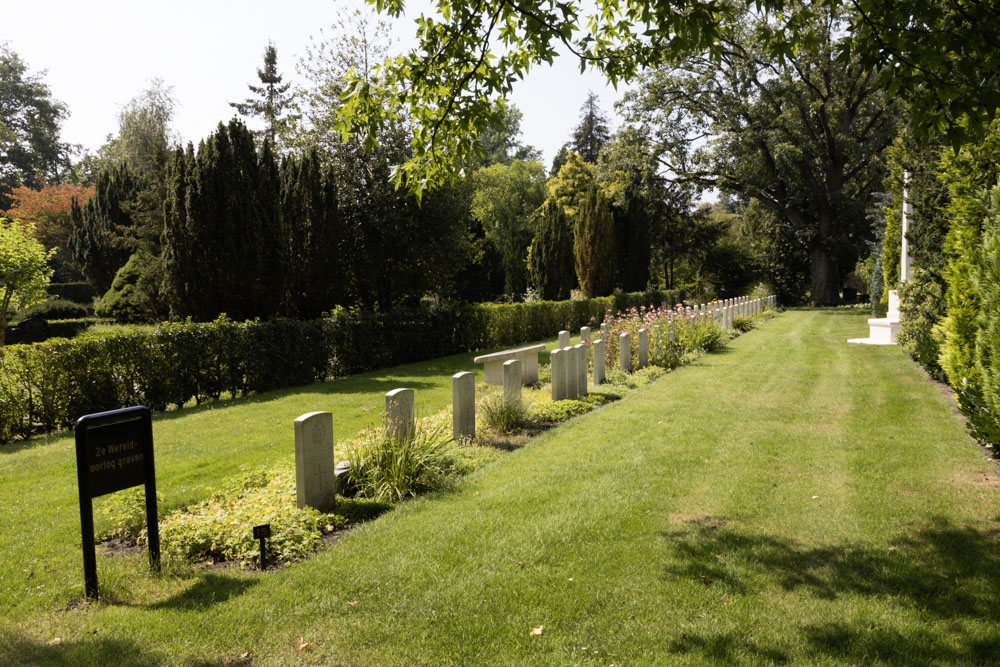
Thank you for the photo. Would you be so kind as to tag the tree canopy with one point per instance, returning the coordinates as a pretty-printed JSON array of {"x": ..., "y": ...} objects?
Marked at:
[
  {"x": 270, "y": 100},
  {"x": 942, "y": 55},
  {"x": 30, "y": 122},
  {"x": 24, "y": 271}
]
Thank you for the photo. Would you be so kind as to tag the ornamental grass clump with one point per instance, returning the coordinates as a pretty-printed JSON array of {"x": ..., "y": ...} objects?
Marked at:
[
  {"x": 386, "y": 467},
  {"x": 503, "y": 417}
]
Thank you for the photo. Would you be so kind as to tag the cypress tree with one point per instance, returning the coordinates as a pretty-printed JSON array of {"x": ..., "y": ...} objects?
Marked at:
[
  {"x": 180, "y": 244},
  {"x": 313, "y": 237},
  {"x": 594, "y": 245},
  {"x": 550, "y": 257},
  {"x": 102, "y": 238},
  {"x": 632, "y": 242},
  {"x": 224, "y": 251},
  {"x": 267, "y": 249}
]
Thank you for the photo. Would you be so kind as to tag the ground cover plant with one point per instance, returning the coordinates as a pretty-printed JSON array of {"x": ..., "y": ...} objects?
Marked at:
[{"x": 793, "y": 499}]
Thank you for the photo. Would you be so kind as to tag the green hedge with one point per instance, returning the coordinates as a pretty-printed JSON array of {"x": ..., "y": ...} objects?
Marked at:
[
  {"x": 82, "y": 293},
  {"x": 48, "y": 386},
  {"x": 59, "y": 328}
]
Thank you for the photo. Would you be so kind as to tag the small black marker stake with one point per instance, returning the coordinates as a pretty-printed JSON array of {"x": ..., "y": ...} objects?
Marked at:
[{"x": 261, "y": 533}]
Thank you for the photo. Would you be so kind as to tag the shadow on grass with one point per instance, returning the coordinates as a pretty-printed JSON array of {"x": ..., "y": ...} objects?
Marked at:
[
  {"x": 210, "y": 589},
  {"x": 948, "y": 573},
  {"x": 16, "y": 649}
]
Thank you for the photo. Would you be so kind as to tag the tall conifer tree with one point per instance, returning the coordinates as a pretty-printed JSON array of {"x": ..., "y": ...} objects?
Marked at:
[
  {"x": 270, "y": 101},
  {"x": 594, "y": 245},
  {"x": 592, "y": 133},
  {"x": 550, "y": 258}
]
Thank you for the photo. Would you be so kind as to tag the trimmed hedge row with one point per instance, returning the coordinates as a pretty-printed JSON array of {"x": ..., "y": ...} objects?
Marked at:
[
  {"x": 58, "y": 328},
  {"x": 48, "y": 386},
  {"x": 82, "y": 293}
]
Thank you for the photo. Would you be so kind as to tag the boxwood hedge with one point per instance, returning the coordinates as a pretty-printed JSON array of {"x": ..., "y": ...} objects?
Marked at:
[{"x": 48, "y": 386}]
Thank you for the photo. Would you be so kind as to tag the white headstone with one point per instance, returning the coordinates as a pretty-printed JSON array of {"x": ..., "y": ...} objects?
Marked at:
[
  {"x": 643, "y": 348},
  {"x": 557, "y": 361},
  {"x": 580, "y": 350},
  {"x": 399, "y": 420},
  {"x": 564, "y": 338},
  {"x": 463, "y": 404},
  {"x": 624, "y": 353},
  {"x": 600, "y": 349},
  {"x": 604, "y": 330},
  {"x": 585, "y": 335},
  {"x": 315, "y": 482},
  {"x": 511, "y": 382},
  {"x": 572, "y": 372}
]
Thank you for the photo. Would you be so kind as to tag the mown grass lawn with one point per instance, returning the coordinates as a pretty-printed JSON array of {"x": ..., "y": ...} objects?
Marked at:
[
  {"x": 197, "y": 450},
  {"x": 790, "y": 499}
]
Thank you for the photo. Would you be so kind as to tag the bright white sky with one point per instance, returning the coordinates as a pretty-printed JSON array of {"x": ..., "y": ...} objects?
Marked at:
[{"x": 100, "y": 53}]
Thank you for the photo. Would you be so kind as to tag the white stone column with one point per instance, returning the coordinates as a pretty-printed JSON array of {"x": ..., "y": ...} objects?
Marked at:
[
  {"x": 564, "y": 338},
  {"x": 643, "y": 348},
  {"x": 600, "y": 350},
  {"x": 905, "y": 263},
  {"x": 511, "y": 382},
  {"x": 624, "y": 353},
  {"x": 557, "y": 361},
  {"x": 315, "y": 482},
  {"x": 604, "y": 330},
  {"x": 580, "y": 350},
  {"x": 463, "y": 405},
  {"x": 585, "y": 335},
  {"x": 399, "y": 420}
]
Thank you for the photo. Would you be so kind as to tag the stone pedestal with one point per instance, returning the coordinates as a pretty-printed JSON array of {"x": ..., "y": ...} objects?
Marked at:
[
  {"x": 315, "y": 482},
  {"x": 463, "y": 405},
  {"x": 883, "y": 330},
  {"x": 399, "y": 420}
]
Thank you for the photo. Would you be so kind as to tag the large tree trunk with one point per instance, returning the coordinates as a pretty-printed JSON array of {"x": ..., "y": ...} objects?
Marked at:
[{"x": 825, "y": 277}]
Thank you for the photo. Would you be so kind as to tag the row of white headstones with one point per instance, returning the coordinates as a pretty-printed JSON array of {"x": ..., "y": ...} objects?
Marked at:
[{"x": 317, "y": 478}]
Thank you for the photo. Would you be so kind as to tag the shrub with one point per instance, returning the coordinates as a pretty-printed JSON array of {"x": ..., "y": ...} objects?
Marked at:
[
  {"x": 219, "y": 529},
  {"x": 49, "y": 385},
  {"x": 387, "y": 468},
  {"x": 502, "y": 417},
  {"x": 126, "y": 514},
  {"x": 81, "y": 293},
  {"x": 743, "y": 323},
  {"x": 54, "y": 309}
]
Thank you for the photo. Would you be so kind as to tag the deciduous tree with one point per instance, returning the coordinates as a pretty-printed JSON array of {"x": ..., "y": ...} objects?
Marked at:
[
  {"x": 30, "y": 122},
  {"x": 24, "y": 270}
]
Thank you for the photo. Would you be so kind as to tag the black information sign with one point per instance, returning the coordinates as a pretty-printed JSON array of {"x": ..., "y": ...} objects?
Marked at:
[{"x": 114, "y": 451}]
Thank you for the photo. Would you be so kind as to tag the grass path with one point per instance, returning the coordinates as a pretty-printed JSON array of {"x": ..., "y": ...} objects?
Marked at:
[{"x": 791, "y": 499}]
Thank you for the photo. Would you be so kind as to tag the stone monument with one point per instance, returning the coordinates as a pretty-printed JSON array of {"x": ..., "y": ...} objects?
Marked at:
[{"x": 885, "y": 330}]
